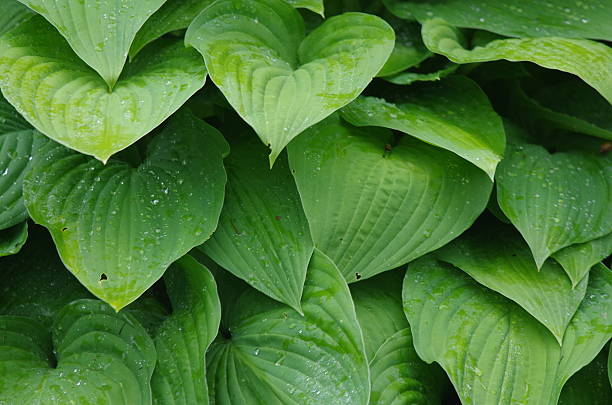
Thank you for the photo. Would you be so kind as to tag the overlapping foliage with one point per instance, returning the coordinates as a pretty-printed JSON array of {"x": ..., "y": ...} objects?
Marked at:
[{"x": 369, "y": 202}]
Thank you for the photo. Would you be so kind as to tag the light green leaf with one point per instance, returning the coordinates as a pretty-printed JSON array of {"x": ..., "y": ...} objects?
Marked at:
[
  {"x": 12, "y": 13},
  {"x": 183, "y": 338},
  {"x": 263, "y": 234},
  {"x": 18, "y": 144},
  {"x": 555, "y": 200},
  {"x": 590, "y": 385},
  {"x": 374, "y": 204},
  {"x": 524, "y": 18},
  {"x": 173, "y": 15},
  {"x": 271, "y": 354},
  {"x": 578, "y": 259},
  {"x": 409, "y": 77},
  {"x": 66, "y": 100},
  {"x": 278, "y": 81},
  {"x": 312, "y": 5},
  {"x": 102, "y": 358},
  {"x": 99, "y": 31},
  {"x": 118, "y": 228},
  {"x": 409, "y": 49},
  {"x": 398, "y": 375},
  {"x": 13, "y": 239},
  {"x": 454, "y": 114},
  {"x": 497, "y": 257},
  {"x": 493, "y": 351},
  {"x": 589, "y": 60}
]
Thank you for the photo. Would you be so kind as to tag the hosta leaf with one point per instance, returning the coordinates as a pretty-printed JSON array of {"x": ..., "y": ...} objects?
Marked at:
[
  {"x": 493, "y": 351},
  {"x": 610, "y": 365},
  {"x": 409, "y": 77},
  {"x": 278, "y": 81},
  {"x": 578, "y": 259},
  {"x": 116, "y": 227},
  {"x": 18, "y": 144},
  {"x": 563, "y": 18},
  {"x": 453, "y": 114},
  {"x": 173, "y": 15},
  {"x": 589, "y": 60},
  {"x": 398, "y": 375},
  {"x": 13, "y": 239},
  {"x": 182, "y": 339},
  {"x": 263, "y": 234},
  {"x": 590, "y": 385},
  {"x": 66, "y": 100},
  {"x": 102, "y": 358},
  {"x": 316, "y": 6},
  {"x": 277, "y": 356},
  {"x": 99, "y": 31},
  {"x": 555, "y": 200},
  {"x": 497, "y": 257},
  {"x": 409, "y": 49},
  {"x": 374, "y": 204},
  {"x": 12, "y": 13}
]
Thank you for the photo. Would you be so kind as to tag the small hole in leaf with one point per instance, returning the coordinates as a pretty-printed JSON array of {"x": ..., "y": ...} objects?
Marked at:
[
  {"x": 358, "y": 276},
  {"x": 103, "y": 277},
  {"x": 64, "y": 229}
]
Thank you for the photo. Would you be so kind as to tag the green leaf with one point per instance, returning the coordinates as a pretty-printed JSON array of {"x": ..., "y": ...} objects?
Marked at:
[
  {"x": 13, "y": 239},
  {"x": 18, "y": 145},
  {"x": 118, "y": 228},
  {"x": 497, "y": 257},
  {"x": 493, "y": 351},
  {"x": 278, "y": 81},
  {"x": 374, "y": 204},
  {"x": 274, "y": 355},
  {"x": 100, "y": 32},
  {"x": 312, "y": 5},
  {"x": 409, "y": 49},
  {"x": 173, "y": 15},
  {"x": 183, "y": 338},
  {"x": 12, "y": 13},
  {"x": 610, "y": 366},
  {"x": 578, "y": 259},
  {"x": 397, "y": 373},
  {"x": 590, "y": 385},
  {"x": 102, "y": 358},
  {"x": 409, "y": 77},
  {"x": 563, "y": 18},
  {"x": 66, "y": 100},
  {"x": 589, "y": 60},
  {"x": 454, "y": 114},
  {"x": 263, "y": 234},
  {"x": 555, "y": 200}
]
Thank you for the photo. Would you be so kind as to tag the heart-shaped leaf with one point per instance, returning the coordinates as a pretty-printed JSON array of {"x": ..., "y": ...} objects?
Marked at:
[
  {"x": 66, "y": 100},
  {"x": 271, "y": 354},
  {"x": 590, "y": 385},
  {"x": 12, "y": 13},
  {"x": 118, "y": 228},
  {"x": 578, "y": 259},
  {"x": 589, "y": 60},
  {"x": 263, "y": 234},
  {"x": 454, "y": 114},
  {"x": 278, "y": 81},
  {"x": 374, "y": 204},
  {"x": 497, "y": 257},
  {"x": 13, "y": 239},
  {"x": 19, "y": 142},
  {"x": 493, "y": 351},
  {"x": 555, "y": 200},
  {"x": 183, "y": 338},
  {"x": 99, "y": 31},
  {"x": 102, "y": 358}
]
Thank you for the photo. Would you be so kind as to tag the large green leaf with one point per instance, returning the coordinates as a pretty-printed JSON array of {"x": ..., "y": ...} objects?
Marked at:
[
  {"x": 589, "y": 60},
  {"x": 118, "y": 228},
  {"x": 555, "y": 200},
  {"x": 398, "y": 375},
  {"x": 99, "y": 31},
  {"x": 497, "y": 257},
  {"x": 183, "y": 338},
  {"x": 453, "y": 114},
  {"x": 18, "y": 144},
  {"x": 524, "y": 18},
  {"x": 374, "y": 204},
  {"x": 66, "y": 100},
  {"x": 278, "y": 81},
  {"x": 271, "y": 354},
  {"x": 102, "y": 358},
  {"x": 13, "y": 239},
  {"x": 263, "y": 235},
  {"x": 493, "y": 351},
  {"x": 590, "y": 385},
  {"x": 12, "y": 13},
  {"x": 578, "y": 259}
]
